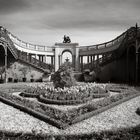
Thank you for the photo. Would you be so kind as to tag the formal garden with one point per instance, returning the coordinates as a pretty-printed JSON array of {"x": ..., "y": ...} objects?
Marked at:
[{"x": 68, "y": 108}]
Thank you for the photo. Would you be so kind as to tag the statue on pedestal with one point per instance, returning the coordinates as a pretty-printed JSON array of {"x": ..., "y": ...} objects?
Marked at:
[{"x": 66, "y": 39}]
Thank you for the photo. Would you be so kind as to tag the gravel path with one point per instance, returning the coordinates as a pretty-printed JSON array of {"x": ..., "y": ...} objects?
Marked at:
[{"x": 120, "y": 116}]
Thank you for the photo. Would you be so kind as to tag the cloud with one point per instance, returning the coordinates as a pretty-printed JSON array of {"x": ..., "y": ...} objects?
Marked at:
[
  {"x": 10, "y": 6},
  {"x": 51, "y": 19}
]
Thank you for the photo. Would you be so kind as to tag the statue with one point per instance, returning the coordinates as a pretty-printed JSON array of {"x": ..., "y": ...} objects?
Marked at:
[{"x": 66, "y": 39}]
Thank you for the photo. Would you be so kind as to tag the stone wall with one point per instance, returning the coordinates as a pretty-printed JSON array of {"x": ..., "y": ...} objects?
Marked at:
[{"x": 20, "y": 71}]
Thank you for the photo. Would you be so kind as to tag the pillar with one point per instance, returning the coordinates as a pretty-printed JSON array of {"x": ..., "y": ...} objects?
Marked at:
[
  {"x": 56, "y": 59},
  {"x": 29, "y": 57},
  {"x": 97, "y": 60},
  {"x": 137, "y": 55},
  {"x": 81, "y": 63},
  {"x": 136, "y": 75},
  {"x": 5, "y": 63},
  {"x": 52, "y": 60},
  {"x": 88, "y": 59},
  {"x": 44, "y": 58},
  {"x": 73, "y": 61},
  {"x": 76, "y": 58}
]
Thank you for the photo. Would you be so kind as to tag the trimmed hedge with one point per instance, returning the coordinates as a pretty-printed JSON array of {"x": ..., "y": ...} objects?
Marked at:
[
  {"x": 70, "y": 102},
  {"x": 95, "y": 112},
  {"x": 25, "y": 94},
  {"x": 46, "y": 113},
  {"x": 38, "y": 115},
  {"x": 62, "y": 102},
  {"x": 62, "y": 119},
  {"x": 132, "y": 133}
]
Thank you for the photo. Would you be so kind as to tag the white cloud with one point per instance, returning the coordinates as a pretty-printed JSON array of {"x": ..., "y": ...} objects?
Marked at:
[{"x": 85, "y": 21}]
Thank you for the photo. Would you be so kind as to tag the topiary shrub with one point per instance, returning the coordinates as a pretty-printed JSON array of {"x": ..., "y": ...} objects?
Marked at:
[{"x": 64, "y": 77}]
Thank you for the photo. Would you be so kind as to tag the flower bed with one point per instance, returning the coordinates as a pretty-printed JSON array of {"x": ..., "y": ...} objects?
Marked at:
[
  {"x": 62, "y": 119},
  {"x": 43, "y": 112},
  {"x": 74, "y": 95}
]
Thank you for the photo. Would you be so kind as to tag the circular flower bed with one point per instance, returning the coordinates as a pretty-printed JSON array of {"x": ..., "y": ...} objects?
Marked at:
[{"x": 73, "y": 95}]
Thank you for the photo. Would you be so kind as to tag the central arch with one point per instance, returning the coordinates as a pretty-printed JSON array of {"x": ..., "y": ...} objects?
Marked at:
[
  {"x": 71, "y": 48},
  {"x": 131, "y": 64},
  {"x": 66, "y": 56}
]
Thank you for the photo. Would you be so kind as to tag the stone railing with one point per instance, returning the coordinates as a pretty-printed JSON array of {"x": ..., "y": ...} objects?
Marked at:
[
  {"x": 33, "y": 61},
  {"x": 10, "y": 45},
  {"x": 108, "y": 44},
  {"x": 29, "y": 46}
]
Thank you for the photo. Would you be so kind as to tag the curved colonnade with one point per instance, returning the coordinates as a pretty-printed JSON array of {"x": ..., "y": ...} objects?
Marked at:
[
  {"x": 87, "y": 54},
  {"x": 83, "y": 57}
]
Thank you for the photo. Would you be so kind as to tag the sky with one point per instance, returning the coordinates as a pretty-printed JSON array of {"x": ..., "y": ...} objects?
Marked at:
[{"x": 87, "y": 22}]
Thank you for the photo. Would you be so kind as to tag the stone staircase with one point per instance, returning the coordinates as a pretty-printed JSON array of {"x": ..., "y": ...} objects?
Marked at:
[
  {"x": 111, "y": 56},
  {"x": 22, "y": 56}
]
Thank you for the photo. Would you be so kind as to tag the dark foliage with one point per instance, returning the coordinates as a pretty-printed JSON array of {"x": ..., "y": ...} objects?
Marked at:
[{"x": 64, "y": 77}]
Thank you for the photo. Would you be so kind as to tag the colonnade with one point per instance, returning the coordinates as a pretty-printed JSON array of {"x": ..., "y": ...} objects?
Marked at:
[
  {"x": 91, "y": 60},
  {"x": 42, "y": 58}
]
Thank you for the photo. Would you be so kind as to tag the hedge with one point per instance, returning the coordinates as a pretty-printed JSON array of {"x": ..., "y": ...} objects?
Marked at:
[
  {"x": 29, "y": 95},
  {"x": 38, "y": 115},
  {"x": 120, "y": 134},
  {"x": 62, "y": 119},
  {"x": 62, "y": 102},
  {"x": 95, "y": 112}
]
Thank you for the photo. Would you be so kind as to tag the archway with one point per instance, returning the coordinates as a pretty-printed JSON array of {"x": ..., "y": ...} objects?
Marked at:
[
  {"x": 131, "y": 65},
  {"x": 72, "y": 50},
  {"x": 3, "y": 61},
  {"x": 66, "y": 56},
  {"x": 138, "y": 65},
  {"x": 2, "y": 56}
]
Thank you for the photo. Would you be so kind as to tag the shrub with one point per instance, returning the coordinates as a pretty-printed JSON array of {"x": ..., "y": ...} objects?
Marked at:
[{"x": 64, "y": 77}]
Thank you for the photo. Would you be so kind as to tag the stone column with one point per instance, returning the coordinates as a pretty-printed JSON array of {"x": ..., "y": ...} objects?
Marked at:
[
  {"x": 5, "y": 63},
  {"x": 91, "y": 61},
  {"x": 97, "y": 60},
  {"x": 56, "y": 59},
  {"x": 88, "y": 59},
  {"x": 73, "y": 61},
  {"x": 44, "y": 58},
  {"x": 52, "y": 61},
  {"x": 137, "y": 61},
  {"x": 77, "y": 58},
  {"x": 81, "y": 63},
  {"x": 29, "y": 57}
]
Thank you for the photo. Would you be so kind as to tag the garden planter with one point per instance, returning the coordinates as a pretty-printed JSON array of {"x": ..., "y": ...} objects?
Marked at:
[
  {"x": 24, "y": 79},
  {"x": 10, "y": 79},
  {"x": 32, "y": 80},
  {"x": 39, "y": 80},
  {"x": 15, "y": 80},
  {"x": 1, "y": 81}
]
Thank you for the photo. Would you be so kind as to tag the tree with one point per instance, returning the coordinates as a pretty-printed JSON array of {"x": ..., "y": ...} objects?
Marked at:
[{"x": 64, "y": 77}]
